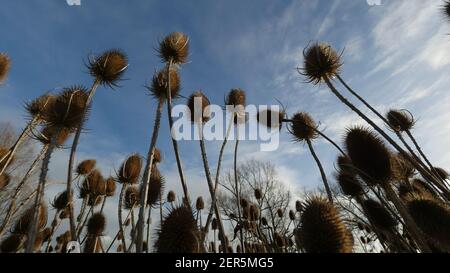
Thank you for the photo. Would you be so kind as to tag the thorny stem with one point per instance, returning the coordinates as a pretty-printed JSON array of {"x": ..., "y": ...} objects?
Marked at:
[{"x": 322, "y": 172}]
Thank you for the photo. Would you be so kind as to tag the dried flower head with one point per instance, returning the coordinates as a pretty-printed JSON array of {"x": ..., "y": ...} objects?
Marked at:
[
  {"x": 86, "y": 166},
  {"x": 349, "y": 184},
  {"x": 49, "y": 132},
  {"x": 200, "y": 204},
  {"x": 198, "y": 105},
  {"x": 179, "y": 233},
  {"x": 322, "y": 230},
  {"x": 254, "y": 213},
  {"x": 264, "y": 117},
  {"x": 60, "y": 202},
  {"x": 244, "y": 203},
  {"x": 4, "y": 180},
  {"x": 157, "y": 156},
  {"x": 23, "y": 224},
  {"x": 298, "y": 206},
  {"x": 5, "y": 64},
  {"x": 110, "y": 187},
  {"x": 94, "y": 183},
  {"x": 321, "y": 62},
  {"x": 345, "y": 164},
  {"x": 171, "y": 196},
  {"x": 160, "y": 83},
  {"x": 379, "y": 215},
  {"x": 155, "y": 187},
  {"x": 280, "y": 213},
  {"x": 258, "y": 194},
  {"x": 400, "y": 120},
  {"x": 402, "y": 169},
  {"x": 236, "y": 97},
  {"x": 39, "y": 106},
  {"x": 291, "y": 215},
  {"x": 303, "y": 127},
  {"x": 130, "y": 170},
  {"x": 68, "y": 109},
  {"x": 369, "y": 155},
  {"x": 96, "y": 224},
  {"x": 109, "y": 67},
  {"x": 175, "y": 48},
  {"x": 132, "y": 197}
]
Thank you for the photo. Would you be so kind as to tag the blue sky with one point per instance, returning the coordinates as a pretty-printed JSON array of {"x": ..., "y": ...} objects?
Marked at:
[{"x": 396, "y": 55}]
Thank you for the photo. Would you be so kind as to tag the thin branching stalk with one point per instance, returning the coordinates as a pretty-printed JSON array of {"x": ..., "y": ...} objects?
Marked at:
[
  {"x": 322, "y": 172},
  {"x": 32, "y": 232},
  {"x": 121, "y": 229},
  {"x": 147, "y": 175},
  {"x": 174, "y": 142},
  {"x": 118, "y": 232},
  {"x": 238, "y": 196},
  {"x": 11, "y": 209},
  {"x": 73, "y": 150},
  {"x": 211, "y": 187}
]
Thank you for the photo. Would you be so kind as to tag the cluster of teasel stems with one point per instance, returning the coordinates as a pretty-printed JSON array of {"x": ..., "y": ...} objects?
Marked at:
[{"x": 322, "y": 65}]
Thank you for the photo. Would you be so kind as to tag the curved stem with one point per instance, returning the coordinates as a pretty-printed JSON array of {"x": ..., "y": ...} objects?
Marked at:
[
  {"x": 146, "y": 178},
  {"x": 121, "y": 196},
  {"x": 322, "y": 172},
  {"x": 73, "y": 150},
  {"x": 238, "y": 196}
]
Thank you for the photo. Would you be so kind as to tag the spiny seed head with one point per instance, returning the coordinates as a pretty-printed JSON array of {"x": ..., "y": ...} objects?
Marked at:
[
  {"x": 160, "y": 83},
  {"x": 198, "y": 105},
  {"x": 171, "y": 196},
  {"x": 264, "y": 117},
  {"x": 12, "y": 243},
  {"x": 110, "y": 187},
  {"x": 379, "y": 215},
  {"x": 94, "y": 183},
  {"x": 298, "y": 206},
  {"x": 236, "y": 97},
  {"x": 443, "y": 174},
  {"x": 258, "y": 194},
  {"x": 86, "y": 166},
  {"x": 175, "y": 48},
  {"x": 157, "y": 156},
  {"x": 402, "y": 169},
  {"x": 433, "y": 218},
  {"x": 68, "y": 109},
  {"x": 23, "y": 224},
  {"x": 303, "y": 127},
  {"x": 155, "y": 187},
  {"x": 321, "y": 62},
  {"x": 39, "y": 106},
  {"x": 5, "y": 64},
  {"x": 254, "y": 213},
  {"x": 60, "y": 202},
  {"x": 280, "y": 213},
  {"x": 292, "y": 215},
  {"x": 96, "y": 224},
  {"x": 49, "y": 132},
  {"x": 132, "y": 197},
  {"x": 109, "y": 67},
  {"x": 400, "y": 120},
  {"x": 244, "y": 203},
  {"x": 369, "y": 155},
  {"x": 179, "y": 233},
  {"x": 345, "y": 164},
  {"x": 322, "y": 230},
  {"x": 4, "y": 180},
  {"x": 130, "y": 170},
  {"x": 349, "y": 184},
  {"x": 199, "y": 204}
]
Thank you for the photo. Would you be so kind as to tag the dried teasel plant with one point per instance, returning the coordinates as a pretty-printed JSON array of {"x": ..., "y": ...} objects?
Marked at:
[
  {"x": 174, "y": 48},
  {"x": 86, "y": 166},
  {"x": 5, "y": 65}
]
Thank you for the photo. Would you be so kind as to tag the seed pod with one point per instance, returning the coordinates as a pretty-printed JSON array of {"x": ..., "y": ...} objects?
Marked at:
[
  {"x": 400, "y": 120},
  {"x": 198, "y": 105},
  {"x": 349, "y": 184},
  {"x": 12, "y": 243},
  {"x": 39, "y": 106},
  {"x": 303, "y": 127},
  {"x": 298, "y": 206},
  {"x": 108, "y": 67},
  {"x": 159, "y": 86},
  {"x": 23, "y": 224},
  {"x": 50, "y": 132},
  {"x": 378, "y": 214},
  {"x": 279, "y": 240},
  {"x": 171, "y": 197},
  {"x": 175, "y": 48},
  {"x": 280, "y": 213},
  {"x": 132, "y": 197},
  {"x": 110, "y": 187},
  {"x": 264, "y": 221},
  {"x": 96, "y": 224},
  {"x": 258, "y": 194},
  {"x": 199, "y": 205},
  {"x": 5, "y": 64},
  {"x": 244, "y": 203},
  {"x": 179, "y": 233},
  {"x": 60, "y": 202},
  {"x": 292, "y": 215},
  {"x": 321, "y": 62},
  {"x": 130, "y": 170},
  {"x": 155, "y": 187},
  {"x": 95, "y": 184},
  {"x": 86, "y": 166}
]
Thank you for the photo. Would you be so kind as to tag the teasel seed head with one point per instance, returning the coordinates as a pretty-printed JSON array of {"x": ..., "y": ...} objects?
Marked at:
[
  {"x": 132, "y": 197},
  {"x": 303, "y": 127},
  {"x": 402, "y": 169},
  {"x": 264, "y": 117},
  {"x": 175, "y": 48},
  {"x": 48, "y": 132},
  {"x": 4, "y": 180},
  {"x": 60, "y": 202},
  {"x": 68, "y": 109},
  {"x": 322, "y": 229},
  {"x": 298, "y": 206},
  {"x": 39, "y": 106},
  {"x": 433, "y": 219},
  {"x": 179, "y": 233},
  {"x": 171, "y": 196},
  {"x": 280, "y": 213},
  {"x": 379, "y": 215},
  {"x": 5, "y": 64},
  {"x": 200, "y": 204},
  {"x": 94, "y": 183},
  {"x": 109, "y": 67},
  {"x": 345, "y": 164},
  {"x": 110, "y": 187},
  {"x": 321, "y": 62},
  {"x": 12, "y": 243},
  {"x": 159, "y": 85},
  {"x": 349, "y": 184},
  {"x": 214, "y": 224},
  {"x": 130, "y": 170},
  {"x": 157, "y": 156},
  {"x": 443, "y": 174},
  {"x": 155, "y": 187},
  {"x": 258, "y": 194},
  {"x": 369, "y": 155},
  {"x": 86, "y": 166},
  {"x": 264, "y": 221},
  {"x": 95, "y": 200},
  {"x": 254, "y": 213},
  {"x": 96, "y": 224},
  {"x": 292, "y": 215},
  {"x": 400, "y": 120},
  {"x": 23, "y": 224},
  {"x": 204, "y": 113}
]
